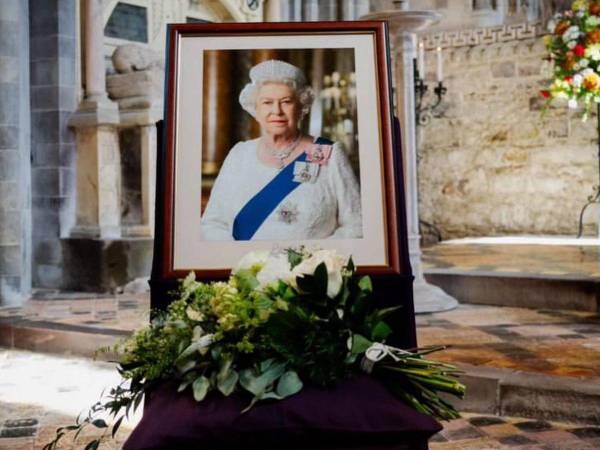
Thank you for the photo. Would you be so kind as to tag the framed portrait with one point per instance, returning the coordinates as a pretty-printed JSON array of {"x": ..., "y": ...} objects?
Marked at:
[{"x": 278, "y": 135}]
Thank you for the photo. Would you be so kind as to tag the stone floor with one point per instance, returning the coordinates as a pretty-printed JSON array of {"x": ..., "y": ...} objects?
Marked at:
[{"x": 563, "y": 343}]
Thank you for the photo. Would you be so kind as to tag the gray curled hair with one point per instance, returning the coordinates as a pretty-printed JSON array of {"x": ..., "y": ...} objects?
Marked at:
[{"x": 274, "y": 71}]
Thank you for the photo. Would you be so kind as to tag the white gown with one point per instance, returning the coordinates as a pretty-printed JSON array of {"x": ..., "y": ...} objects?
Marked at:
[{"x": 328, "y": 208}]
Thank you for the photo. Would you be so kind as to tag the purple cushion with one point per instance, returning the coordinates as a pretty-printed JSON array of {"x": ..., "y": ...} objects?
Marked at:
[{"x": 357, "y": 412}]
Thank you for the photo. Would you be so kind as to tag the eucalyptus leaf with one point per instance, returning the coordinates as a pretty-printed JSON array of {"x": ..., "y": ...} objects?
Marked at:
[
  {"x": 360, "y": 344},
  {"x": 226, "y": 384},
  {"x": 289, "y": 384},
  {"x": 184, "y": 367},
  {"x": 99, "y": 423},
  {"x": 257, "y": 383},
  {"x": 92, "y": 445},
  {"x": 200, "y": 387}
]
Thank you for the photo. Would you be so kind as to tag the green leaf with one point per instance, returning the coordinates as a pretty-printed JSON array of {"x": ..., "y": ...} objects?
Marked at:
[
  {"x": 294, "y": 257},
  {"x": 227, "y": 383},
  {"x": 289, "y": 384},
  {"x": 365, "y": 284},
  {"x": 360, "y": 344},
  {"x": 200, "y": 387},
  {"x": 350, "y": 266},
  {"x": 257, "y": 383},
  {"x": 93, "y": 445},
  {"x": 321, "y": 278},
  {"x": 185, "y": 367},
  {"x": 99, "y": 423},
  {"x": 247, "y": 281},
  {"x": 381, "y": 331},
  {"x": 116, "y": 426}
]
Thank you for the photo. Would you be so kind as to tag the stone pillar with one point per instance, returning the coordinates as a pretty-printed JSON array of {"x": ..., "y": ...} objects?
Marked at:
[
  {"x": 428, "y": 298},
  {"x": 216, "y": 131},
  {"x": 139, "y": 95},
  {"x": 148, "y": 147},
  {"x": 15, "y": 169},
  {"x": 98, "y": 157}
]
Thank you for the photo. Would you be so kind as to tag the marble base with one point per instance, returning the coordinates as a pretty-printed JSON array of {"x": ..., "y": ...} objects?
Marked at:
[{"x": 431, "y": 299}]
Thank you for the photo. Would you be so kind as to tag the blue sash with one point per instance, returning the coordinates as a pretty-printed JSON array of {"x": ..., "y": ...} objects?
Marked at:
[{"x": 259, "y": 207}]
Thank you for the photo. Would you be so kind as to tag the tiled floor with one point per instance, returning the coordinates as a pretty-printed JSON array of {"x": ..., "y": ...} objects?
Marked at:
[
  {"x": 492, "y": 432},
  {"x": 542, "y": 341}
]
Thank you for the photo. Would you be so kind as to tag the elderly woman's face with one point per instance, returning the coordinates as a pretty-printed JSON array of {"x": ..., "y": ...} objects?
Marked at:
[{"x": 277, "y": 109}]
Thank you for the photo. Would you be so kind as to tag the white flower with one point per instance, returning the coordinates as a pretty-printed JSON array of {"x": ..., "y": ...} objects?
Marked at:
[
  {"x": 572, "y": 103},
  {"x": 571, "y": 34},
  {"x": 576, "y": 66},
  {"x": 593, "y": 21},
  {"x": 334, "y": 263},
  {"x": 577, "y": 80},
  {"x": 593, "y": 52},
  {"x": 571, "y": 44},
  {"x": 276, "y": 267},
  {"x": 584, "y": 63},
  {"x": 587, "y": 72},
  {"x": 253, "y": 260}
]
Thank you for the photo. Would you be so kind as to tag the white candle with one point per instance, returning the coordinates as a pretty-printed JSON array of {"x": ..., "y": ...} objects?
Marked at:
[
  {"x": 421, "y": 61},
  {"x": 440, "y": 69}
]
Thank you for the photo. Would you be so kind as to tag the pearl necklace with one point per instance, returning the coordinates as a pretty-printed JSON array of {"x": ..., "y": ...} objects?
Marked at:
[{"x": 282, "y": 155}]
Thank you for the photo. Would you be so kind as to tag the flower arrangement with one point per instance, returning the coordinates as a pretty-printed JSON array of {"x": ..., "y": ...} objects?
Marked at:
[
  {"x": 282, "y": 319},
  {"x": 574, "y": 48}
]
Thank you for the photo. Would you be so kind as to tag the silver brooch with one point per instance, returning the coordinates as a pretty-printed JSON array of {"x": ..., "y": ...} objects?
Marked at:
[
  {"x": 305, "y": 172},
  {"x": 288, "y": 213}
]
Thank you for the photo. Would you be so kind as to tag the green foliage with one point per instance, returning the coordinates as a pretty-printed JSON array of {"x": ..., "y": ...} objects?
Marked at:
[{"x": 266, "y": 340}]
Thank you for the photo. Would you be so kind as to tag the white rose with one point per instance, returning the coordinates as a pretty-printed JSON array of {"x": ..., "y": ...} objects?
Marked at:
[
  {"x": 571, "y": 44},
  {"x": 584, "y": 62},
  {"x": 276, "y": 267},
  {"x": 334, "y": 263},
  {"x": 256, "y": 259},
  {"x": 577, "y": 80}
]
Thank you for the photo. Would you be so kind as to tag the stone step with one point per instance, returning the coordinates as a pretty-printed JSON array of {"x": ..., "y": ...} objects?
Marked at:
[
  {"x": 516, "y": 393},
  {"x": 59, "y": 338},
  {"x": 518, "y": 289}
]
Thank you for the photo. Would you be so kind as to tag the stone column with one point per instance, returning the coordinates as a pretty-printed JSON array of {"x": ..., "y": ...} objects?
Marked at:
[
  {"x": 428, "y": 298},
  {"x": 216, "y": 130},
  {"x": 98, "y": 157},
  {"x": 148, "y": 147},
  {"x": 15, "y": 168}
]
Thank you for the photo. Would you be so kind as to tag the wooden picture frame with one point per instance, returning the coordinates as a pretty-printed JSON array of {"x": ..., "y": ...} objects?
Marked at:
[{"x": 381, "y": 181}]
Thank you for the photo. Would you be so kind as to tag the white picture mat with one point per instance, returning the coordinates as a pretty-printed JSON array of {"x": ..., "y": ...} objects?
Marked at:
[{"x": 191, "y": 252}]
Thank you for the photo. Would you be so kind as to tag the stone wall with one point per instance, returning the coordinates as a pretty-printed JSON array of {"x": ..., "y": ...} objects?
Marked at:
[
  {"x": 15, "y": 204},
  {"x": 53, "y": 98},
  {"x": 491, "y": 163}
]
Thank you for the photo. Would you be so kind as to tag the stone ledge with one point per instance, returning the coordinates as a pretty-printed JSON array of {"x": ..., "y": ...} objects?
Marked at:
[
  {"x": 525, "y": 394},
  {"x": 518, "y": 289},
  {"x": 59, "y": 338}
]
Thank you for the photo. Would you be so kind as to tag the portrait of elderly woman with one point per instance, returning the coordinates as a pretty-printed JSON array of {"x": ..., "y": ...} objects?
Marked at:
[{"x": 285, "y": 184}]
